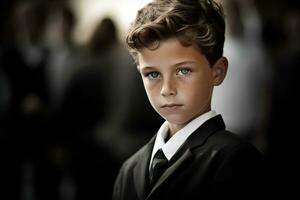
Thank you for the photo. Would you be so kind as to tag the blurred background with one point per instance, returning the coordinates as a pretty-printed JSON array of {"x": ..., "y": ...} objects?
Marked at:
[{"x": 73, "y": 108}]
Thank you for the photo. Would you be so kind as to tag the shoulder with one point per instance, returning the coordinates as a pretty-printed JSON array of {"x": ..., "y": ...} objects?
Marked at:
[
  {"x": 232, "y": 152},
  {"x": 213, "y": 139},
  {"x": 228, "y": 141},
  {"x": 226, "y": 148},
  {"x": 239, "y": 165}
]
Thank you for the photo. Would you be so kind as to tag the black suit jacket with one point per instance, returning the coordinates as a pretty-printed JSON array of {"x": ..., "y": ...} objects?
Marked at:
[{"x": 211, "y": 163}]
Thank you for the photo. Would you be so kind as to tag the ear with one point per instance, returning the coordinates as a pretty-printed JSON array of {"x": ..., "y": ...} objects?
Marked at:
[{"x": 219, "y": 70}]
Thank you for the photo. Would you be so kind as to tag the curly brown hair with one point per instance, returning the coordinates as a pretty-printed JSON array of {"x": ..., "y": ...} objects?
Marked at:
[{"x": 192, "y": 22}]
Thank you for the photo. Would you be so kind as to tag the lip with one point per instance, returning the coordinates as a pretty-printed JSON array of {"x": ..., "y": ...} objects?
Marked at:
[{"x": 171, "y": 107}]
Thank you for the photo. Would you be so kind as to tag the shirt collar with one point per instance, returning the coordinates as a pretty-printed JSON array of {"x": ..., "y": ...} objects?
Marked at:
[{"x": 174, "y": 143}]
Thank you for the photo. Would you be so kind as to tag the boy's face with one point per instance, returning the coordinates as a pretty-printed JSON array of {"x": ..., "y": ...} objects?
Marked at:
[{"x": 179, "y": 81}]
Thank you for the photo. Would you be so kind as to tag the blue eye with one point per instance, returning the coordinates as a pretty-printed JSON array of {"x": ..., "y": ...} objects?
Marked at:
[
  {"x": 152, "y": 75},
  {"x": 184, "y": 71}
]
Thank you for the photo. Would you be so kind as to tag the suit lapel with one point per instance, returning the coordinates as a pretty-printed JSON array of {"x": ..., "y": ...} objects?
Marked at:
[
  {"x": 141, "y": 170},
  {"x": 182, "y": 159}
]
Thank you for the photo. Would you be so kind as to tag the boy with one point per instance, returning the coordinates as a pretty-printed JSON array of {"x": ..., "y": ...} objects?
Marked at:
[{"x": 178, "y": 47}]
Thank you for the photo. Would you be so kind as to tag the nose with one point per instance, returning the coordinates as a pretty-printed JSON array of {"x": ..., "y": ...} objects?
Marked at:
[{"x": 168, "y": 87}]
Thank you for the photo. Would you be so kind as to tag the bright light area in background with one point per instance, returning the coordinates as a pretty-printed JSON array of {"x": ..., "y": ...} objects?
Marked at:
[{"x": 90, "y": 12}]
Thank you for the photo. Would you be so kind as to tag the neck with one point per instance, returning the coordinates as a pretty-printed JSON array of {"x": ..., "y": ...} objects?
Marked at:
[{"x": 174, "y": 128}]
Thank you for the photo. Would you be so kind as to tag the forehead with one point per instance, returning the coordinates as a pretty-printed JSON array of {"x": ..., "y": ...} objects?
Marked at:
[{"x": 168, "y": 53}]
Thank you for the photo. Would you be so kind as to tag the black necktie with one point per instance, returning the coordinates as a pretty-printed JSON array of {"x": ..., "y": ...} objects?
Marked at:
[{"x": 158, "y": 166}]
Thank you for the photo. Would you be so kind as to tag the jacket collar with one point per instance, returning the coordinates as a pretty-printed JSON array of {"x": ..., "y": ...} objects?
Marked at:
[
  {"x": 141, "y": 170},
  {"x": 183, "y": 156},
  {"x": 199, "y": 137}
]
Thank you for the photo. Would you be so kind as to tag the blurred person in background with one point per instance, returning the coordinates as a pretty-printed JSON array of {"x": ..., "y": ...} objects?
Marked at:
[
  {"x": 127, "y": 100},
  {"x": 84, "y": 104},
  {"x": 280, "y": 30},
  {"x": 23, "y": 62},
  {"x": 284, "y": 119},
  {"x": 101, "y": 104},
  {"x": 37, "y": 61},
  {"x": 65, "y": 56},
  {"x": 244, "y": 95}
]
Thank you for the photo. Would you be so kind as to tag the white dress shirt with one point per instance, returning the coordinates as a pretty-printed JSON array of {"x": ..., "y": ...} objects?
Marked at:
[{"x": 174, "y": 143}]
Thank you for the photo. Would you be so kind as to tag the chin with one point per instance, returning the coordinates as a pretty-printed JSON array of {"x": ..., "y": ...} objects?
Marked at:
[{"x": 177, "y": 120}]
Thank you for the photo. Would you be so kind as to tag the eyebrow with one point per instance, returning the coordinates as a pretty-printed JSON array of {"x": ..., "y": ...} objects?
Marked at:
[
  {"x": 185, "y": 62},
  {"x": 146, "y": 68}
]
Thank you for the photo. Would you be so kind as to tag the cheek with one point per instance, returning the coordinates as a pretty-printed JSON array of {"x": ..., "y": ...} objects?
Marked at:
[
  {"x": 151, "y": 91},
  {"x": 198, "y": 92}
]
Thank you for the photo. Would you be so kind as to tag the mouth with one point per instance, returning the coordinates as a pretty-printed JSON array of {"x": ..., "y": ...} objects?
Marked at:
[{"x": 171, "y": 107}]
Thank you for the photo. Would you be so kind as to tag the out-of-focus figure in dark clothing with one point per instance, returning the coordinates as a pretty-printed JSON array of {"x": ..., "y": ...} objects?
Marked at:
[
  {"x": 23, "y": 62},
  {"x": 127, "y": 117},
  {"x": 284, "y": 119},
  {"x": 84, "y": 103},
  {"x": 101, "y": 102},
  {"x": 64, "y": 57}
]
